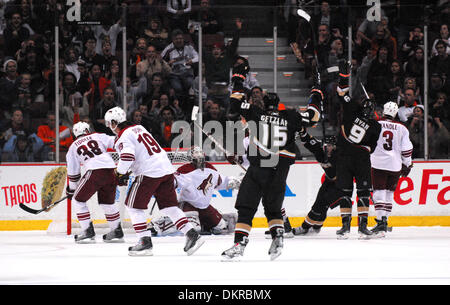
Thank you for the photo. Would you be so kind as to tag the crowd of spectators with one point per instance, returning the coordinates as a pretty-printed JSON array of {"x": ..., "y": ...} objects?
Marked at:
[
  {"x": 162, "y": 64},
  {"x": 388, "y": 58}
]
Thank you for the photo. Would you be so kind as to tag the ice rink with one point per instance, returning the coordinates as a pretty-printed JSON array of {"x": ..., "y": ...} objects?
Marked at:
[{"x": 408, "y": 255}]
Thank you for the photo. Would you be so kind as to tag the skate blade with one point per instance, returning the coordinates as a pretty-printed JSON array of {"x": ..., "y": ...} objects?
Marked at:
[
  {"x": 198, "y": 244},
  {"x": 226, "y": 258},
  {"x": 343, "y": 236},
  {"x": 114, "y": 241},
  {"x": 379, "y": 235},
  {"x": 288, "y": 235},
  {"x": 146, "y": 252},
  {"x": 275, "y": 255},
  {"x": 364, "y": 236},
  {"x": 86, "y": 241}
]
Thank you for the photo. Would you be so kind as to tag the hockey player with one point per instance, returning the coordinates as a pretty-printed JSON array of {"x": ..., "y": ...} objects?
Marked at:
[
  {"x": 90, "y": 149},
  {"x": 141, "y": 154},
  {"x": 274, "y": 140},
  {"x": 197, "y": 182},
  {"x": 390, "y": 160},
  {"x": 356, "y": 141},
  {"x": 329, "y": 194}
]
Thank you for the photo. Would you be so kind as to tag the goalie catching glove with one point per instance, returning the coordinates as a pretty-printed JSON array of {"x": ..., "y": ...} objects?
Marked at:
[{"x": 122, "y": 179}]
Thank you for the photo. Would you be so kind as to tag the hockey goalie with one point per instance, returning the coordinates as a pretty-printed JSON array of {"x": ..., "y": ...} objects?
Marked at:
[{"x": 196, "y": 182}]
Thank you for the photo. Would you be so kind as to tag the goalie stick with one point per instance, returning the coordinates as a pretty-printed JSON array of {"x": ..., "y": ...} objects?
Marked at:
[{"x": 33, "y": 211}]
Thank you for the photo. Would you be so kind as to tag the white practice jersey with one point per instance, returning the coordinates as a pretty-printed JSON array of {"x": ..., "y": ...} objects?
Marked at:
[
  {"x": 197, "y": 185},
  {"x": 90, "y": 152},
  {"x": 140, "y": 153},
  {"x": 394, "y": 147}
]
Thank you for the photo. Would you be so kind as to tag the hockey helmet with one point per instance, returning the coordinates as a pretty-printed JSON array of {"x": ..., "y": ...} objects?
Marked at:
[
  {"x": 367, "y": 108},
  {"x": 271, "y": 101},
  {"x": 197, "y": 156},
  {"x": 81, "y": 128},
  {"x": 390, "y": 109},
  {"x": 116, "y": 115}
]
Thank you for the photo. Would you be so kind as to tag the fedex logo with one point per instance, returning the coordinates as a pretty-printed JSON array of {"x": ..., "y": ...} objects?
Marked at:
[{"x": 402, "y": 195}]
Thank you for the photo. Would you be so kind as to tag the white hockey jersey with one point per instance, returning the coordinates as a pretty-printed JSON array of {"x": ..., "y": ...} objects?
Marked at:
[
  {"x": 394, "y": 147},
  {"x": 90, "y": 152},
  {"x": 141, "y": 153},
  {"x": 197, "y": 185}
]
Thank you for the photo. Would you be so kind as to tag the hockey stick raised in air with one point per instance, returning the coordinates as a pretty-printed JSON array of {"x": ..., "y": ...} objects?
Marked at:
[{"x": 33, "y": 211}]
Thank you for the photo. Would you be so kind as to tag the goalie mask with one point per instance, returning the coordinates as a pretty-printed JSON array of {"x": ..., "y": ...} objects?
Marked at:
[
  {"x": 114, "y": 117},
  {"x": 80, "y": 128},
  {"x": 197, "y": 157}
]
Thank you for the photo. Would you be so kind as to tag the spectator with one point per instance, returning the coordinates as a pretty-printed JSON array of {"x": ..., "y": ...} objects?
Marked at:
[
  {"x": 415, "y": 40},
  {"x": 218, "y": 63},
  {"x": 367, "y": 29},
  {"x": 441, "y": 109},
  {"x": 441, "y": 62},
  {"x": 29, "y": 100},
  {"x": 438, "y": 139},
  {"x": 208, "y": 17},
  {"x": 23, "y": 150},
  {"x": 135, "y": 93},
  {"x": 138, "y": 54},
  {"x": 14, "y": 127},
  {"x": 98, "y": 85},
  {"x": 415, "y": 127},
  {"x": 405, "y": 111},
  {"x": 376, "y": 75},
  {"x": 156, "y": 34},
  {"x": 415, "y": 66},
  {"x": 195, "y": 90},
  {"x": 178, "y": 13},
  {"x": 181, "y": 57},
  {"x": 153, "y": 63},
  {"x": 47, "y": 133},
  {"x": 158, "y": 87},
  {"x": 14, "y": 34},
  {"x": 383, "y": 37},
  {"x": 107, "y": 32},
  {"x": 71, "y": 61},
  {"x": 167, "y": 119},
  {"x": 98, "y": 117},
  {"x": 395, "y": 79},
  {"x": 257, "y": 97},
  {"x": 443, "y": 35},
  {"x": 326, "y": 17},
  {"x": 215, "y": 113},
  {"x": 8, "y": 87},
  {"x": 437, "y": 85},
  {"x": 410, "y": 83},
  {"x": 107, "y": 55},
  {"x": 90, "y": 55}
]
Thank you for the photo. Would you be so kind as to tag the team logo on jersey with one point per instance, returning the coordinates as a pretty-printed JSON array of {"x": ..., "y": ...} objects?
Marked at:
[
  {"x": 206, "y": 184},
  {"x": 120, "y": 146}
]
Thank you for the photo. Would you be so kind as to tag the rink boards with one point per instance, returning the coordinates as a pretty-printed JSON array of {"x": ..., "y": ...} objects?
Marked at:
[{"x": 421, "y": 199}]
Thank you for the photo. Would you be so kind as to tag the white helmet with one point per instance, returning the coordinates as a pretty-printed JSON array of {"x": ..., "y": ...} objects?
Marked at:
[
  {"x": 81, "y": 128},
  {"x": 115, "y": 114},
  {"x": 390, "y": 109}
]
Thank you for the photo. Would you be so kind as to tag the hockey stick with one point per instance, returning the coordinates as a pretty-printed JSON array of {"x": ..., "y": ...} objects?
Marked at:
[
  {"x": 194, "y": 120},
  {"x": 33, "y": 211}
]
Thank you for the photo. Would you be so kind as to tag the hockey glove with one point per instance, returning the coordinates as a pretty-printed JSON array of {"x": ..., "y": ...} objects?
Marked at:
[
  {"x": 344, "y": 79},
  {"x": 69, "y": 193},
  {"x": 233, "y": 183},
  {"x": 122, "y": 179},
  {"x": 235, "y": 159},
  {"x": 404, "y": 172}
]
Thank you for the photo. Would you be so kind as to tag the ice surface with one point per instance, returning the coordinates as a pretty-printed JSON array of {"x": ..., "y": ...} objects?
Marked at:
[{"x": 408, "y": 255}]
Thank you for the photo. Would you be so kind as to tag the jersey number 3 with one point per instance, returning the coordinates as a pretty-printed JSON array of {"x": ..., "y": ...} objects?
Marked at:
[
  {"x": 150, "y": 144},
  {"x": 388, "y": 136}
]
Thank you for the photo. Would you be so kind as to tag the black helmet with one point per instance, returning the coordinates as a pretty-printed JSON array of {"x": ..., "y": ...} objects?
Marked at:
[
  {"x": 330, "y": 140},
  {"x": 367, "y": 108},
  {"x": 271, "y": 101}
]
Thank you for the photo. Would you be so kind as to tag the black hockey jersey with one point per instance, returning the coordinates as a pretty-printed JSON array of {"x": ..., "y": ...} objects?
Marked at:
[
  {"x": 358, "y": 135},
  {"x": 272, "y": 133},
  {"x": 328, "y": 163}
]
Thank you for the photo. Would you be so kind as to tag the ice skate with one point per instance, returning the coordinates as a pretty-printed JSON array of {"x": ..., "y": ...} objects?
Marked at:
[
  {"x": 142, "y": 248},
  {"x": 193, "y": 241},
  {"x": 235, "y": 252},
  {"x": 363, "y": 232},
  {"x": 276, "y": 247},
  {"x": 379, "y": 231},
  {"x": 344, "y": 232},
  {"x": 301, "y": 231},
  {"x": 87, "y": 237},
  {"x": 115, "y": 236},
  {"x": 288, "y": 231}
]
